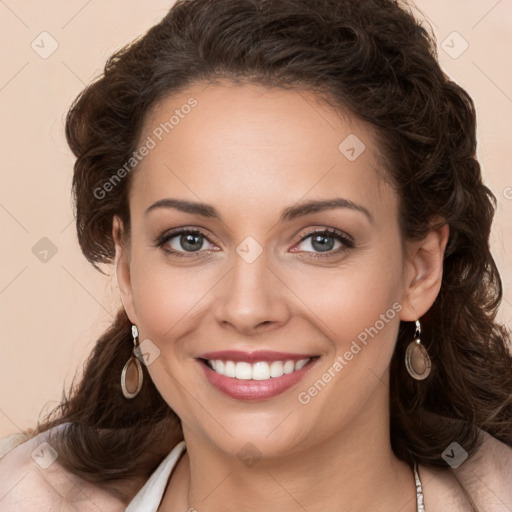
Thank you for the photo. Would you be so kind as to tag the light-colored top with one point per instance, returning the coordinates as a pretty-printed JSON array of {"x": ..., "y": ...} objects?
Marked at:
[
  {"x": 486, "y": 477},
  {"x": 150, "y": 495}
]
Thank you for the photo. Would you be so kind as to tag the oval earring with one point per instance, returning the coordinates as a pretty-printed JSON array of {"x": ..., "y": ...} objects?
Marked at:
[
  {"x": 417, "y": 360},
  {"x": 131, "y": 376}
]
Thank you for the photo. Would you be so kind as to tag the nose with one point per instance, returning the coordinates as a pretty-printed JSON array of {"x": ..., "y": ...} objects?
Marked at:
[{"x": 251, "y": 298}]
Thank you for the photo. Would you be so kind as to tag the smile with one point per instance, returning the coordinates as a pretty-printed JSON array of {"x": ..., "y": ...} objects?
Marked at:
[
  {"x": 261, "y": 370},
  {"x": 257, "y": 375}
]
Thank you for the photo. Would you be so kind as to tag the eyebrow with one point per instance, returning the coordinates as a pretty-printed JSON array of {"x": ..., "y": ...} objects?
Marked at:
[{"x": 288, "y": 214}]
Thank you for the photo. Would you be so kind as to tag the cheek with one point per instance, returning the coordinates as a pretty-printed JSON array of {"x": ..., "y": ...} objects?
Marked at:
[
  {"x": 168, "y": 301},
  {"x": 168, "y": 298},
  {"x": 348, "y": 300},
  {"x": 358, "y": 311}
]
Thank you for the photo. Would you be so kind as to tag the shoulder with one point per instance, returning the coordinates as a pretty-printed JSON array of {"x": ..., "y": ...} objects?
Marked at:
[
  {"x": 487, "y": 475},
  {"x": 31, "y": 478}
]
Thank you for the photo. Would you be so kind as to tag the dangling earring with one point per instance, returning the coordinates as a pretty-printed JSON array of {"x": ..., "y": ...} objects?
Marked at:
[
  {"x": 132, "y": 370},
  {"x": 417, "y": 360}
]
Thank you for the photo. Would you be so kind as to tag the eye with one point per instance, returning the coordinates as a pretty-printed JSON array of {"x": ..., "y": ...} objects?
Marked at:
[
  {"x": 322, "y": 242},
  {"x": 187, "y": 242},
  {"x": 183, "y": 241}
]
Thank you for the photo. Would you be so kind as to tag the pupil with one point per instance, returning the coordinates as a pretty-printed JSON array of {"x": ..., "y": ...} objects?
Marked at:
[{"x": 326, "y": 243}]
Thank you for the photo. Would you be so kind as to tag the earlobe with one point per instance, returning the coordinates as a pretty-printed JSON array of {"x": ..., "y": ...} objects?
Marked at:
[
  {"x": 424, "y": 273},
  {"x": 122, "y": 268}
]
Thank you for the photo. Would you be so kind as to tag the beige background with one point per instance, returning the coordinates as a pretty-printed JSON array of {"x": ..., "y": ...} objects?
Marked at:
[{"x": 52, "y": 312}]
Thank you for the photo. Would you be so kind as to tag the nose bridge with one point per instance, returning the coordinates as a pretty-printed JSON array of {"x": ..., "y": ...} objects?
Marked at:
[{"x": 251, "y": 294}]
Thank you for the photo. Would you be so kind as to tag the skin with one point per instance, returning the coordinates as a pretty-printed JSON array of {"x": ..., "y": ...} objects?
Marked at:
[{"x": 251, "y": 152}]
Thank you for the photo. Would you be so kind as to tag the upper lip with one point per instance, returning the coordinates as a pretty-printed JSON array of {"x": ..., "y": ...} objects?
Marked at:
[{"x": 254, "y": 357}]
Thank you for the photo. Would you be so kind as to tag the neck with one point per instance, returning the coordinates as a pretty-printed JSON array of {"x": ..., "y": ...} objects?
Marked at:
[{"x": 353, "y": 470}]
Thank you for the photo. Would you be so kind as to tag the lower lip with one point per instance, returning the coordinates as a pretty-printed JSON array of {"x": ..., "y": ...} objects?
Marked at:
[{"x": 249, "y": 389}]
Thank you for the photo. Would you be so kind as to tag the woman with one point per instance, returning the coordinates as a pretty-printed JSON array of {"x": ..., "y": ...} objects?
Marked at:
[{"x": 289, "y": 193}]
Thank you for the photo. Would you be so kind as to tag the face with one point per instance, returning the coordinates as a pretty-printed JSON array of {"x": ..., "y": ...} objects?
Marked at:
[{"x": 262, "y": 230}]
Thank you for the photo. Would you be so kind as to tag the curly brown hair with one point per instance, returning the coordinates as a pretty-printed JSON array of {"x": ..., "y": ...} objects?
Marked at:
[{"x": 373, "y": 59}]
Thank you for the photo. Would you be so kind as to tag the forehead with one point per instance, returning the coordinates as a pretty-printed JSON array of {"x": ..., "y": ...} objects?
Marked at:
[{"x": 254, "y": 143}]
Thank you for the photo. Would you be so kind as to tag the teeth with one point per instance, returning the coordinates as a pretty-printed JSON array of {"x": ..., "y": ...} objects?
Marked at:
[
  {"x": 276, "y": 369},
  {"x": 288, "y": 367},
  {"x": 261, "y": 371},
  {"x": 300, "y": 364},
  {"x": 230, "y": 369},
  {"x": 257, "y": 371},
  {"x": 242, "y": 371}
]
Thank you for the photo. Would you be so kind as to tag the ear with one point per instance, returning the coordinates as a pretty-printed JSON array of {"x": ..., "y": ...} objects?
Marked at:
[
  {"x": 122, "y": 267},
  {"x": 424, "y": 272}
]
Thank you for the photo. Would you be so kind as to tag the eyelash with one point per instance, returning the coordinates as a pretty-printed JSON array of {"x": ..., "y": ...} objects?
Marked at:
[{"x": 337, "y": 235}]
